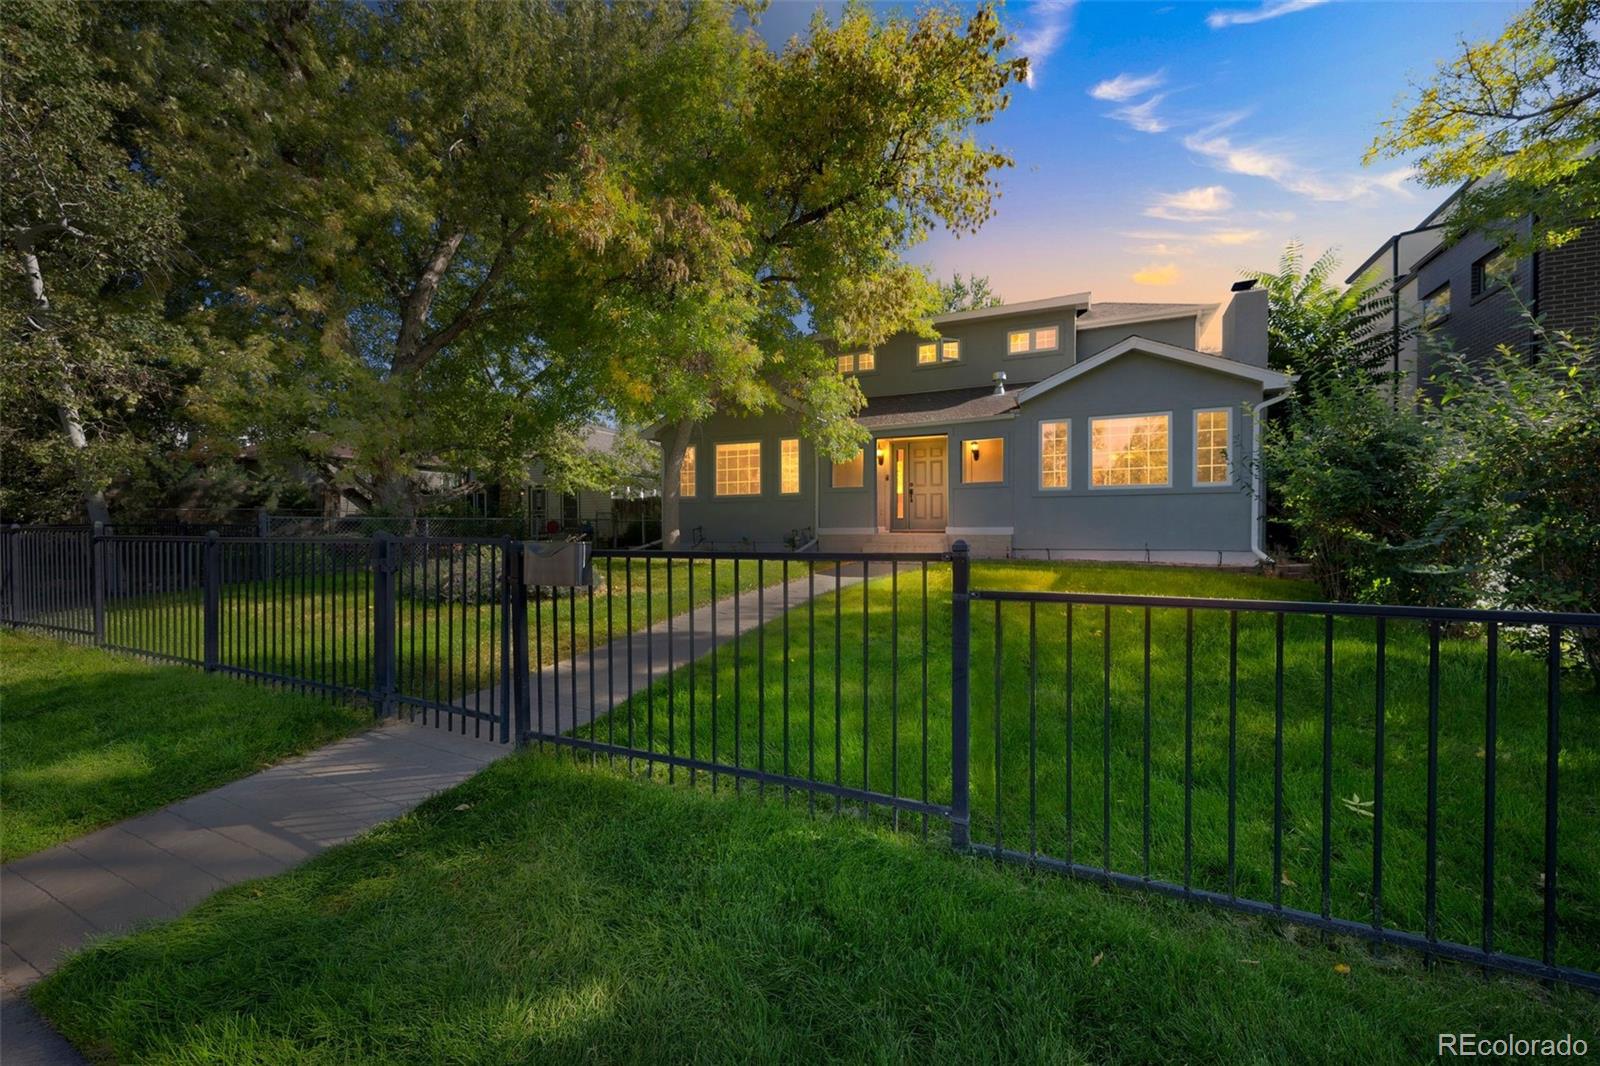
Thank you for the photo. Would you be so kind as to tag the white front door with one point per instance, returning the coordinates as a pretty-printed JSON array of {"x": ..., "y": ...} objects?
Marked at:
[{"x": 918, "y": 495}]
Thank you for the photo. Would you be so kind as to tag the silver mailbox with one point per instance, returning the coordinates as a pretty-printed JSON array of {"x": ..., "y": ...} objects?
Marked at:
[{"x": 556, "y": 562}]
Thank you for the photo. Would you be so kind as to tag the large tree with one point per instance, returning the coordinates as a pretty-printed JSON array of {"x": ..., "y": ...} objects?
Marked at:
[
  {"x": 1519, "y": 118},
  {"x": 363, "y": 189},
  {"x": 89, "y": 368},
  {"x": 1322, "y": 331},
  {"x": 716, "y": 272}
]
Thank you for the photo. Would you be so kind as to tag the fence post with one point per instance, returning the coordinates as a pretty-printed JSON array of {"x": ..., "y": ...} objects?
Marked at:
[
  {"x": 97, "y": 580},
  {"x": 960, "y": 694},
  {"x": 13, "y": 574},
  {"x": 519, "y": 646},
  {"x": 384, "y": 565},
  {"x": 213, "y": 600},
  {"x": 264, "y": 550}
]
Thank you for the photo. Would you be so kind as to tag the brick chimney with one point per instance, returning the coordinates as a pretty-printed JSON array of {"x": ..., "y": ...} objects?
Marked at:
[{"x": 1244, "y": 324}]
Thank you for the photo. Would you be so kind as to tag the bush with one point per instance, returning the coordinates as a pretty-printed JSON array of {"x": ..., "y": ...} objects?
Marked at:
[{"x": 1357, "y": 476}]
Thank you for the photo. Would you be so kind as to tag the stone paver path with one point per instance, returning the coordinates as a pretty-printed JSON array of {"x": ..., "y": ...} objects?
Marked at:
[{"x": 159, "y": 865}]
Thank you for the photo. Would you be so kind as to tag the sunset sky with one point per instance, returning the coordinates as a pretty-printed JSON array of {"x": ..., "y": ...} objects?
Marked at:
[{"x": 1164, "y": 147}]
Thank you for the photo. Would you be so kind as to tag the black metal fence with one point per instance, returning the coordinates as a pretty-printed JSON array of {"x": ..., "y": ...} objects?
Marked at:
[{"x": 1414, "y": 777}]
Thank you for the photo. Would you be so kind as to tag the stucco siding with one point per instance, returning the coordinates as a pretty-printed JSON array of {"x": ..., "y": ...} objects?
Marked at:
[
  {"x": 1179, "y": 516},
  {"x": 1178, "y": 331}
]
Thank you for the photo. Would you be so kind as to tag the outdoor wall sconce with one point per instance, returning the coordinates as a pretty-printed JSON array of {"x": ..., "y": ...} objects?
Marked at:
[
  {"x": 973, "y": 445},
  {"x": 882, "y": 456}
]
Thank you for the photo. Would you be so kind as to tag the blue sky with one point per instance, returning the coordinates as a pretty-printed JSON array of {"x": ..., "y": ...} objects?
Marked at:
[{"x": 1164, "y": 147}]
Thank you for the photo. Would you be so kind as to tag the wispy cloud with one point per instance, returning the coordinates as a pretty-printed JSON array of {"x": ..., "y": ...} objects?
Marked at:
[
  {"x": 1157, "y": 274},
  {"x": 1201, "y": 204},
  {"x": 1143, "y": 117},
  {"x": 1231, "y": 237},
  {"x": 1269, "y": 9},
  {"x": 1045, "y": 32},
  {"x": 1127, "y": 86},
  {"x": 1261, "y": 161}
]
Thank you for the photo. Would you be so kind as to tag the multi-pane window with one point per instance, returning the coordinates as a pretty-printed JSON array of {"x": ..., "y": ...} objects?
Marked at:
[
  {"x": 1054, "y": 472},
  {"x": 1129, "y": 451},
  {"x": 847, "y": 364},
  {"x": 857, "y": 363},
  {"x": 739, "y": 469},
  {"x": 983, "y": 462},
  {"x": 1027, "y": 341},
  {"x": 686, "y": 475},
  {"x": 789, "y": 465},
  {"x": 944, "y": 350},
  {"x": 1211, "y": 447},
  {"x": 848, "y": 474}
]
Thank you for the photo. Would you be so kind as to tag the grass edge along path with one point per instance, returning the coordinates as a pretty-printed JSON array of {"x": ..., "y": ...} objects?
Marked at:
[
  {"x": 93, "y": 737},
  {"x": 546, "y": 910}
]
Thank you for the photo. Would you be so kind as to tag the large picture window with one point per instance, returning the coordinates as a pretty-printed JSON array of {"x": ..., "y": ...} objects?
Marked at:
[
  {"x": 789, "y": 465},
  {"x": 1055, "y": 455},
  {"x": 848, "y": 474},
  {"x": 686, "y": 474},
  {"x": 1211, "y": 447},
  {"x": 1129, "y": 451},
  {"x": 739, "y": 469}
]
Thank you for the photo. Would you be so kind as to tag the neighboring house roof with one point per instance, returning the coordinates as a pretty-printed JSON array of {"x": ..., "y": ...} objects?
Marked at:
[
  {"x": 1270, "y": 380},
  {"x": 929, "y": 408},
  {"x": 1049, "y": 303}
]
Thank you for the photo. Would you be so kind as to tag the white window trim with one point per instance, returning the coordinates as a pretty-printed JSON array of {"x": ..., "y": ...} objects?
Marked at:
[
  {"x": 1039, "y": 440},
  {"x": 799, "y": 464},
  {"x": 1031, "y": 350},
  {"x": 761, "y": 481},
  {"x": 1194, "y": 448},
  {"x": 1142, "y": 486},
  {"x": 694, "y": 478}
]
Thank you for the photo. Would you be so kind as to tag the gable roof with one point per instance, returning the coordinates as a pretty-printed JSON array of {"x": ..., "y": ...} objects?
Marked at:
[{"x": 1270, "y": 380}]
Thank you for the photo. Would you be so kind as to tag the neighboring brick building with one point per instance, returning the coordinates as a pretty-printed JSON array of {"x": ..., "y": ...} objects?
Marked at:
[{"x": 1471, "y": 297}]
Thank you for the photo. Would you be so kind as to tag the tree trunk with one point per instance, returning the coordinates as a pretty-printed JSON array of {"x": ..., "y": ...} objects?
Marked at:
[
  {"x": 94, "y": 500},
  {"x": 677, "y": 443}
]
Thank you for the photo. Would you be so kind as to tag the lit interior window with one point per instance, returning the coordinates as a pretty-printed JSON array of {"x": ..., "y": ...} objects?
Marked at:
[
  {"x": 686, "y": 476},
  {"x": 848, "y": 474},
  {"x": 1054, "y": 472},
  {"x": 1129, "y": 451},
  {"x": 1211, "y": 447},
  {"x": 983, "y": 462},
  {"x": 739, "y": 469},
  {"x": 789, "y": 465}
]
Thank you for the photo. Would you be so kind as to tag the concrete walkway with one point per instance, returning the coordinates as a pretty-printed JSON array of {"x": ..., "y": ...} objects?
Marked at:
[
  {"x": 564, "y": 687},
  {"x": 159, "y": 865}
]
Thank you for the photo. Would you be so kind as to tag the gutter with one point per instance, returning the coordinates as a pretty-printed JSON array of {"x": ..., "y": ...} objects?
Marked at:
[{"x": 1258, "y": 517}]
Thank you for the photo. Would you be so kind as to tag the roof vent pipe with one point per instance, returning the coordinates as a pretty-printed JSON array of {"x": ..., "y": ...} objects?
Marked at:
[{"x": 999, "y": 382}]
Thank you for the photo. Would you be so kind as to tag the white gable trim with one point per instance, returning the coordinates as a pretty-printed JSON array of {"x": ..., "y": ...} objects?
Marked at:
[{"x": 1270, "y": 380}]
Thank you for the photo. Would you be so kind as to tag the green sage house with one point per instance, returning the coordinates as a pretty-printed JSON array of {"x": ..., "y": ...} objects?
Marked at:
[{"x": 1059, "y": 428}]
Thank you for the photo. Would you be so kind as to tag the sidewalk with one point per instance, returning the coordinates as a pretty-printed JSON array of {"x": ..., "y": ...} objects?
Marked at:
[{"x": 159, "y": 865}]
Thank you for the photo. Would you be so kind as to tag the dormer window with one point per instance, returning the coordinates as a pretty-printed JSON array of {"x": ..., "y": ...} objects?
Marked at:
[
  {"x": 858, "y": 363},
  {"x": 1031, "y": 341},
  {"x": 943, "y": 350}
]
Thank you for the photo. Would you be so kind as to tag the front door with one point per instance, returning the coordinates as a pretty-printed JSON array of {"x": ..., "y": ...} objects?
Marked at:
[{"x": 917, "y": 490}]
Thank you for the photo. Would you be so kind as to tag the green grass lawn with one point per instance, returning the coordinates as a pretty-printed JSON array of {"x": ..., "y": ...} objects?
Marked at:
[
  {"x": 92, "y": 737},
  {"x": 871, "y": 734},
  {"x": 543, "y": 911}
]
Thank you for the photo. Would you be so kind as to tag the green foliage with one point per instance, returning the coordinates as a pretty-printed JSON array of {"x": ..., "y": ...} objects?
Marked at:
[
  {"x": 967, "y": 293},
  {"x": 1325, "y": 333},
  {"x": 1354, "y": 474},
  {"x": 1518, "y": 116},
  {"x": 90, "y": 374},
  {"x": 1527, "y": 446}
]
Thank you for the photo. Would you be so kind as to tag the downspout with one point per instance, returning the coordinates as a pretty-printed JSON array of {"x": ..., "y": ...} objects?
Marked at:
[{"x": 1258, "y": 517}]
